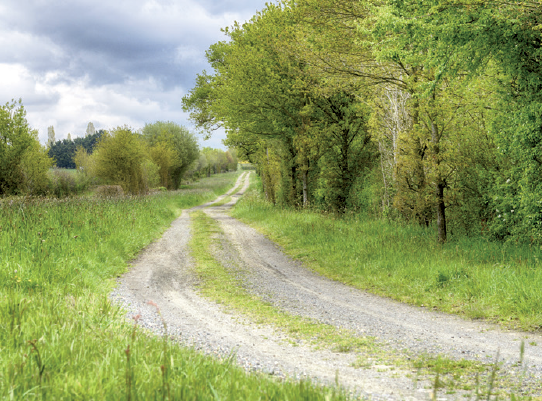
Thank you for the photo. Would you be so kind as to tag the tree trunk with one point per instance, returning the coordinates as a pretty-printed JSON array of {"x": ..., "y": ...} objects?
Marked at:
[
  {"x": 440, "y": 186},
  {"x": 305, "y": 191},
  {"x": 264, "y": 175},
  {"x": 293, "y": 190},
  {"x": 441, "y": 213}
]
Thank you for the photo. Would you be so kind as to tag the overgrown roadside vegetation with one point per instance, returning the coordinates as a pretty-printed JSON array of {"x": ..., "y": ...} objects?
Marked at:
[
  {"x": 60, "y": 338},
  {"x": 469, "y": 276}
]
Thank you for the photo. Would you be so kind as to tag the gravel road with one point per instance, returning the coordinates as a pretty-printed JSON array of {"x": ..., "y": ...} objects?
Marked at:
[{"x": 163, "y": 274}]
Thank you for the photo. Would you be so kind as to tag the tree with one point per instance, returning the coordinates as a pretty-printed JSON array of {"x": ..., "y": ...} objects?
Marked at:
[
  {"x": 353, "y": 42},
  {"x": 63, "y": 152},
  {"x": 173, "y": 150},
  {"x": 84, "y": 162},
  {"x": 349, "y": 150},
  {"x": 270, "y": 102},
  {"x": 503, "y": 42},
  {"x": 23, "y": 161},
  {"x": 50, "y": 136},
  {"x": 90, "y": 129},
  {"x": 121, "y": 158}
]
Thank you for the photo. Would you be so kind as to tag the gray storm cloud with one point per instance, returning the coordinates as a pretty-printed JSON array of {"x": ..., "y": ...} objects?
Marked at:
[{"x": 78, "y": 60}]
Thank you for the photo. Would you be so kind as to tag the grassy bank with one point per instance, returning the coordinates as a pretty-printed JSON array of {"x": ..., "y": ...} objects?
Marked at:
[
  {"x": 60, "y": 338},
  {"x": 473, "y": 277}
]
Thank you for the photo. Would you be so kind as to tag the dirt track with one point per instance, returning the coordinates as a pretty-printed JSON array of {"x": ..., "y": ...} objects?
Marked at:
[{"x": 163, "y": 274}]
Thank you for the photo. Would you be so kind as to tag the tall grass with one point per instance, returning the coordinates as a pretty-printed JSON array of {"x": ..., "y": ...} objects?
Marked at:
[
  {"x": 469, "y": 276},
  {"x": 60, "y": 337}
]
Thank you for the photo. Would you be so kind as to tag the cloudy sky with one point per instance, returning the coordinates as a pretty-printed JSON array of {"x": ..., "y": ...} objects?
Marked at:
[{"x": 108, "y": 62}]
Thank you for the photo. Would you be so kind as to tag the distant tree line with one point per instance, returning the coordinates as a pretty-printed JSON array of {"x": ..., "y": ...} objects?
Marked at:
[
  {"x": 63, "y": 151},
  {"x": 214, "y": 161},
  {"x": 159, "y": 155}
]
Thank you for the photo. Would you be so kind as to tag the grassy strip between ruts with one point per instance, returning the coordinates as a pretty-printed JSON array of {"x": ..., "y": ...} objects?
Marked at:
[
  {"x": 60, "y": 337},
  {"x": 224, "y": 285}
]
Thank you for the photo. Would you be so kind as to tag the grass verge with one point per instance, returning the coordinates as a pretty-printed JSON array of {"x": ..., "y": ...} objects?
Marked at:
[
  {"x": 472, "y": 277},
  {"x": 60, "y": 337}
]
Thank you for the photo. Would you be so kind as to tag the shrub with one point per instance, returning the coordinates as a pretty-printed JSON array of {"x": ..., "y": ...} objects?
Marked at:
[
  {"x": 109, "y": 191},
  {"x": 62, "y": 183},
  {"x": 23, "y": 161},
  {"x": 121, "y": 159}
]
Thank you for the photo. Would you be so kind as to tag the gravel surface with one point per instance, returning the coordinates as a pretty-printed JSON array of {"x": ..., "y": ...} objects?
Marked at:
[{"x": 162, "y": 274}]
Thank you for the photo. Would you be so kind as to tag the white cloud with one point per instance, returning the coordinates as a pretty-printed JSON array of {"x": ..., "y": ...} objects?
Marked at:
[{"x": 112, "y": 63}]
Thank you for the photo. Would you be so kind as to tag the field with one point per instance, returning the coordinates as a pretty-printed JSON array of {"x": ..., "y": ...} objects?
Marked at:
[{"x": 60, "y": 337}]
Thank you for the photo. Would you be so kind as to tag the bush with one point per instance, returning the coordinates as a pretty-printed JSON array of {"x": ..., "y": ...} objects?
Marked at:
[
  {"x": 109, "y": 191},
  {"x": 23, "y": 161},
  {"x": 63, "y": 183},
  {"x": 121, "y": 159},
  {"x": 173, "y": 149}
]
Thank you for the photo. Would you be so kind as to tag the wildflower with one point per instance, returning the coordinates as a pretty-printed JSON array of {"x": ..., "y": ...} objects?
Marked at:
[
  {"x": 499, "y": 216},
  {"x": 508, "y": 181}
]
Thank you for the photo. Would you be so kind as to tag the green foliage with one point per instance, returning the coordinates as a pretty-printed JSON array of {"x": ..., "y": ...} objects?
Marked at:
[
  {"x": 273, "y": 110},
  {"x": 60, "y": 336},
  {"x": 64, "y": 183},
  {"x": 498, "y": 45},
  {"x": 23, "y": 161},
  {"x": 214, "y": 161},
  {"x": 63, "y": 152},
  {"x": 454, "y": 112},
  {"x": 121, "y": 158},
  {"x": 350, "y": 152},
  {"x": 173, "y": 149}
]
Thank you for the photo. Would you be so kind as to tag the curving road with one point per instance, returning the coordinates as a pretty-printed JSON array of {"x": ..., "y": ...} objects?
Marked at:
[{"x": 163, "y": 274}]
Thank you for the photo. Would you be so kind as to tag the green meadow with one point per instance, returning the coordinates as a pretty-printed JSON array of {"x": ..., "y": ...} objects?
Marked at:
[{"x": 60, "y": 336}]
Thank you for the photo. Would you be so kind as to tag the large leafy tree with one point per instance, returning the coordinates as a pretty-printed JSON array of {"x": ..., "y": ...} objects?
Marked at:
[
  {"x": 500, "y": 43},
  {"x": 253, "y": 92},
  {"x": 272, "y": 107},
  {"x": 360, "y": 42}
]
